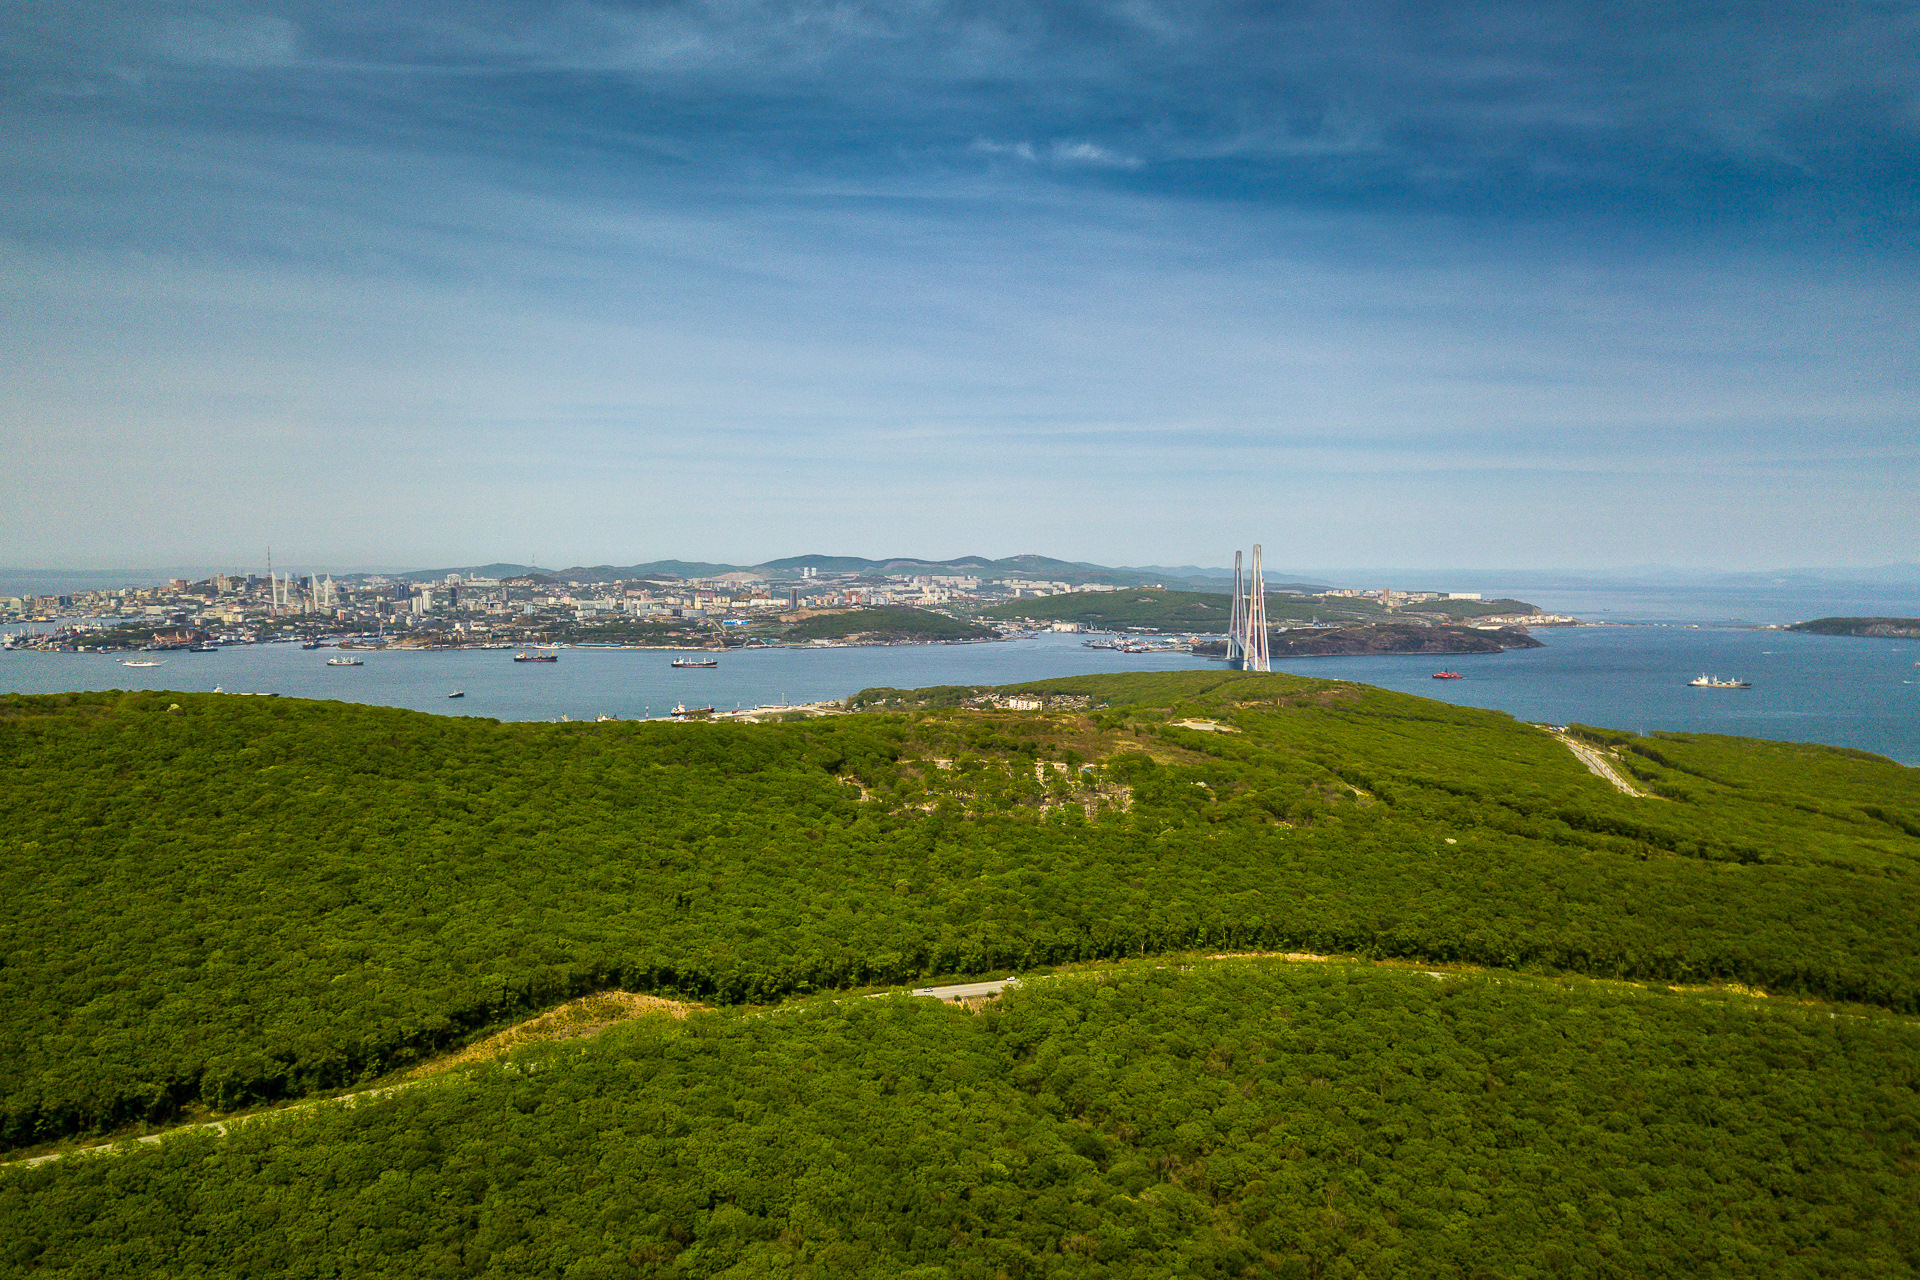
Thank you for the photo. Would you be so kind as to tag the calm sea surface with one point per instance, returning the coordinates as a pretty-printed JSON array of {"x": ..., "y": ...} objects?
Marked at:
[{"x": 1844, "y": 691}]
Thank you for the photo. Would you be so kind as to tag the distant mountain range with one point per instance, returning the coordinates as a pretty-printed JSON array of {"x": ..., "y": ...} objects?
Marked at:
[
  {"x": 1903, "y": 577},
  {"x": 1034, "y": 567}
]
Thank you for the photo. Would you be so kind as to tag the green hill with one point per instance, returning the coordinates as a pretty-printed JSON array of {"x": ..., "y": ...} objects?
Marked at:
[
  {"x": 886, "y": 624},
  {"x": 208, "y": 903},
  {"x": 1879, "y": 628},
  {"x": 1162, "y": 610},
  {"x": 1222, "y": 1118},
  {"x": 242, "y": 899},
  {"x": 1461, "y": 610}
]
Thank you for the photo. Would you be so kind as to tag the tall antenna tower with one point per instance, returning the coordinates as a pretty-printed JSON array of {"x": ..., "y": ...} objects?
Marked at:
[
  {"x": 1237, "y": 628},
  {"x": 1256, "y": 635}
]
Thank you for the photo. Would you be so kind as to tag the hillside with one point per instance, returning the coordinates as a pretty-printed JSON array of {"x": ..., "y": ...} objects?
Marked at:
[
  {"x": 228, "y": 900},
  {"x": 1461, "y": 610},
  {"x": 1383, "y": 638},
  {"x": 1043, "y": 568},
  {"x": 885, "y": 626},
  {"x": 1163, "y": 610},
  {"x": 1391, "y": 637},
  {"x": 1221, "y": 1118},
  {"x": 1877, "y": 628}
]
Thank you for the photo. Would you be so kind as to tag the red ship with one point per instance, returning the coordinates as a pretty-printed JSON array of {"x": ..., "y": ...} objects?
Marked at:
[{"x": 1448, "y": 675}]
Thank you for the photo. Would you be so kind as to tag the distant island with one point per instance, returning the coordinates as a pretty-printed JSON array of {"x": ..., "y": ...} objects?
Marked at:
[
  {"x": 1398, "y": 637},
  {"x": 886, "y": 626},
  {"x": 1877, "y": 628},
  {"x": 1386, "y": 638},
  {"x": 1160, "y": 609}
]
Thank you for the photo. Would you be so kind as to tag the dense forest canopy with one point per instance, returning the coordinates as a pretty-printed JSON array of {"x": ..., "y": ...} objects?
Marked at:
[
  {"x": 211, "y": 901},
  {"x": 1221, "y": 1118}
]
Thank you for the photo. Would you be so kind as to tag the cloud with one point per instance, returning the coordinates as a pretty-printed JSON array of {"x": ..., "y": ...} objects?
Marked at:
[
  {"x": 1636, "y": 113},
  {"x": 1088, "y": 153},
  {"x": 240, "y": 40},
  {"x": 1099, "y": 258},
  {"x": 1060, "y": 152}
]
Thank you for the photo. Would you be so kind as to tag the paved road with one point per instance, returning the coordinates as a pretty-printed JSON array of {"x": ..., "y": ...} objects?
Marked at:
[{"x": 968, "y": 990}]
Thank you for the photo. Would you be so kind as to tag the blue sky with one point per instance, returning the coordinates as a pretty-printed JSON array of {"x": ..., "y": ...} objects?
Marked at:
[{"x": 1445, "y": 285}]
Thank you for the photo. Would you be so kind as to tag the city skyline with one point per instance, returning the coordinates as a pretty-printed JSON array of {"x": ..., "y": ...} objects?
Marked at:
[{"x": 1485, "y": 286}]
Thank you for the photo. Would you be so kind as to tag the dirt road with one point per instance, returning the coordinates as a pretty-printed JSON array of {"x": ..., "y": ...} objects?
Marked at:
[{"x": 1599, "y": 765}]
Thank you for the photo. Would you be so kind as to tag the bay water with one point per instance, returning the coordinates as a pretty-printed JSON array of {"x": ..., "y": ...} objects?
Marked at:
[{"x": 1844, "y": 691}]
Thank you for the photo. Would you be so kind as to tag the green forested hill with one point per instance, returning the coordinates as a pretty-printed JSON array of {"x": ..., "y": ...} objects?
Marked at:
[
  {"x": 1225, "y": 1118},
  {"x": 210, "y": 901},
  {"x": 1176, "y": 610},
  {"x": 1139, "y": 607},
  {"x": 1881, "y": 628},
  {"x": 901, "y": 624}
]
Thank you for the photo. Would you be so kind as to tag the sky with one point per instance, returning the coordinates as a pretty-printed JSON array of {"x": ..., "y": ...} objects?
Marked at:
[{"x": 1453, "y": 285}]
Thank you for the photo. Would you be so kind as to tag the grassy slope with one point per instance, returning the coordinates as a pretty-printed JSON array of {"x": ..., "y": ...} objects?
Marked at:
[
  {"x": 250, "y": 898},
  {"x": 1241, "y": 1118}
]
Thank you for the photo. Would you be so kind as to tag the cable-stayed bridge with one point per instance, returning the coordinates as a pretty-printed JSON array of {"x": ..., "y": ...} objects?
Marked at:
[{"x": 1247, "y": 632}]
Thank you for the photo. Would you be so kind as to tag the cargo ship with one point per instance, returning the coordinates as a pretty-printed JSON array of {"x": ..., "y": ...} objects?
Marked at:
[
  {"x": 696, "y": 662},
  {"x": 682, "y": 711},
  {"x": 345, "y": 662},
  {"x": 1714, "y": 682},
  {"x": 536, "y": 657}
]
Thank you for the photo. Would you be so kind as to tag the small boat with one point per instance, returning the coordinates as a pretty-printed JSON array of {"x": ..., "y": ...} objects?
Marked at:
[
  {"x": 458, "y": 693},
  {"x": 143, "y": 664},
  {"x": 1448, "y": 675},
  {"x": 536, "y": 657},
  {"x": 1704, "y": 681},
  {"x": 695, "y": 662},
  {"x": 681, "y": 711},
  {"x": 345, "y": 662}
]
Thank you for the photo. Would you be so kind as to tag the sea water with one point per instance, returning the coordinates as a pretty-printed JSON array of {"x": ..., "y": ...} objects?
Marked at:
[{"x": 1840, "y": 690}]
